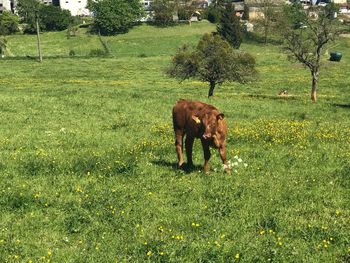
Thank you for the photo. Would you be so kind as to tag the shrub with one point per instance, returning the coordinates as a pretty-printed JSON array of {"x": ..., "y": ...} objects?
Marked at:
[
  {"x": 142, "y": 55},
  {"x": 8, "y": 23},
  {"x": 71, "y": 31},
  {"x": 97, "y": 52},
  {"x": 29, "y": 29},
  {"x": 71, "y": 53}
]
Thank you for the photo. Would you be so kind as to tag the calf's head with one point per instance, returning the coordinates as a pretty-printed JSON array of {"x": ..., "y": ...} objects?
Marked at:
[{"x": 212, "y": 127}]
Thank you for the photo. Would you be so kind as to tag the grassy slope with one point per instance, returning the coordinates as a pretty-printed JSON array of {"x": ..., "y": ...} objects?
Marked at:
[{"x": 87, "y": 158}]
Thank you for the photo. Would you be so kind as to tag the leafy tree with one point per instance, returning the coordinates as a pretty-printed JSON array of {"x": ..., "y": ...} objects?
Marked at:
[
  {"x": 220, "y": 3},
  {"x": 163, "y": 12},
  {"x": 53, "y": 18},
  {"x": 246, "y": 12},
  {"x": 306, "y": 33},
  {"x": 115, "y": 16},
  {"x": 8, "y": 23},
  {"x": 29, "y": 11},
  {"x": 186, "y": 9},
  {"x": 213, "y": 61},
  {"x": 230, "y": 27}
]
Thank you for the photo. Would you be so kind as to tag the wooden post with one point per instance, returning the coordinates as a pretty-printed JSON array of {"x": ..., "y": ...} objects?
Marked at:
[{"x": 38, "y": 36}]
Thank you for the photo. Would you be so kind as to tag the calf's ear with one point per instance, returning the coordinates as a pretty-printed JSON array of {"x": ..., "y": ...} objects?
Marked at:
[
  {"x": 220, "y": 116},
  {"x": 196, "y": 119}
]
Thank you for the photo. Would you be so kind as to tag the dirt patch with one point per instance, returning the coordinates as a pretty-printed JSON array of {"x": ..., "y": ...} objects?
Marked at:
[{"x": 345, "y": 35}]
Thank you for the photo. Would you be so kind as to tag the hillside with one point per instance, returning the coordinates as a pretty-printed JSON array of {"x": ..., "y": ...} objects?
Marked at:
[{"x": 88, "y": 163}]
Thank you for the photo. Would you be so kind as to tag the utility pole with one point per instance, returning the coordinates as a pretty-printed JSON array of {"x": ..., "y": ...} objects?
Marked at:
[{"x": 38, "y": 35}]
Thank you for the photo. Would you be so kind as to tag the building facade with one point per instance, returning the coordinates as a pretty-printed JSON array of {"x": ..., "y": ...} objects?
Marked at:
[
  {"x": 7, "y": 5},
  {"x": 76, "y": 7}
]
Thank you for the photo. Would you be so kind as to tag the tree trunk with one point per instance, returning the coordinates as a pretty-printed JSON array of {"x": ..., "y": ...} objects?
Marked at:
[
  {"x": 266, "y": 32},
  {"x": 314, "y": 85},
  {"x": 38, "y": 38},
  {"x": 211, "y": 89}
]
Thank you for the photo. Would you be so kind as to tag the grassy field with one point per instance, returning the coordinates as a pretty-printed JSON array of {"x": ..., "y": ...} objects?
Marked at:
[{"x": 88, "y": 164}]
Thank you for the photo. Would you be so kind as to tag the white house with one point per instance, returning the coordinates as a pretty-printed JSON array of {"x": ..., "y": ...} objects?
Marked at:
[
  {"x": 339, "y": 1},
  {"x": 6, "y": 5},
  {"x": 76, "y": 7}
]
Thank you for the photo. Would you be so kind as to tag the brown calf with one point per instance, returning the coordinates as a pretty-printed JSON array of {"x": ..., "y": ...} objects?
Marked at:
[{"x": 199, "y": 120}]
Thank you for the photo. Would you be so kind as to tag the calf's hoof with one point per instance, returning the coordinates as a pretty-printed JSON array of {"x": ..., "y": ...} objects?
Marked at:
[
  {"x": 180, "y": 165},
  {"x": 227, "y": 169}
]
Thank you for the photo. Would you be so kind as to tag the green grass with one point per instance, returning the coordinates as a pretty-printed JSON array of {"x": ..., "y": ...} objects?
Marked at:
[{"x": 87, "y": 158}]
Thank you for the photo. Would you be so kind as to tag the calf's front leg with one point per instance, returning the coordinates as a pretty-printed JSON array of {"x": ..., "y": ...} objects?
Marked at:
[
  {"x": 206, "y": 151},
  {"x": 222, "y": 152},
  {"x": 189, "y": 147}
]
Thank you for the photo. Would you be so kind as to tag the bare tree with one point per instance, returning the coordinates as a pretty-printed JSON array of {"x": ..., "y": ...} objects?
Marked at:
[
  {"x": 266, "y": 16},
  {"x": 306, "y": 33}
]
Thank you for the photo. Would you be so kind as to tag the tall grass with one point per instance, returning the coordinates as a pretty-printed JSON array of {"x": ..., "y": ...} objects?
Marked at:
[{"x": 88, "y": 165}]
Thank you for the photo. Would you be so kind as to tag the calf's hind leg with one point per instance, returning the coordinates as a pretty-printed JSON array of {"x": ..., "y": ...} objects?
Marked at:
[{"x": 179, "y": 147}]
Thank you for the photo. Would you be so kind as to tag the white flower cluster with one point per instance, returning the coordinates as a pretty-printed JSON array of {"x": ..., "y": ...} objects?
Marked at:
[{"x": 236, "y": 164}]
